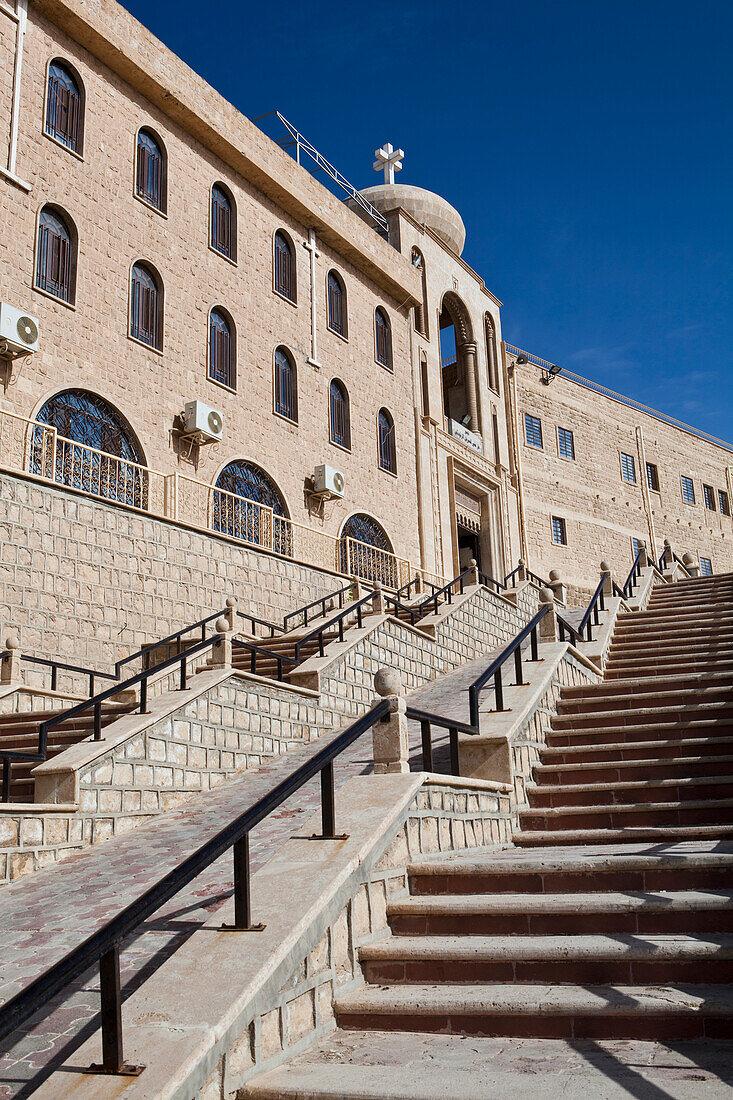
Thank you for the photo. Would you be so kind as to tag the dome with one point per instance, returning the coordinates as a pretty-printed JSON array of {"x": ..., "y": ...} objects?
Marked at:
[{"x": 425, "y": 207}]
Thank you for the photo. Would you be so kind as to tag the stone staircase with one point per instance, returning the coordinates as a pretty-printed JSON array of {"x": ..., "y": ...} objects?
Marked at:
[
  {"x": 19, "y": 732},
  {"x": 584, "y": 930}
]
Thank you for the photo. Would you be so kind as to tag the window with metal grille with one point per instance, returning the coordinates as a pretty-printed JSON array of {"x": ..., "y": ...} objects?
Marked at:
[
  {"x": 55, "y": 255},
  {"x": 628, "y": 468},
  {"x": 150, "y": 179},
  {"x": 340, "y": 426},
  {"x": 652, "y": 477},
  {"x": 383, "y": 338},
  {"x": 636, "y": 545},
  {"x": 337, "y": 320},
  {"x": 284, "y": 267},
  {"x": 723, "y": 502},
  {"x": 64, "y": 107},
  {"x": 244, "y": 487},
  {"x": 565, "y": 443},
  {"x": 688, "y": 490},
  {"x": 559, "y": 535},
  {"x": 709, "y": 497},
  {"x": 706, "y": 567},
  {"x": 367, "y": 552},
  {"x": 146, "y": 307},
  {"x": 533, "y": 430},
  {"x": 223, "y": 222},
  {"x": 95, "y": 450},
  {"x": 286, "y": 385},
  {"x": 222, "y": 349},
  {"x": 386, "y": 450}
]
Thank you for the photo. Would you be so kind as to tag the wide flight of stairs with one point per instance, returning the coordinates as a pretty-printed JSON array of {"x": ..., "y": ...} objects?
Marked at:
[{"x": 612, "y": 917}]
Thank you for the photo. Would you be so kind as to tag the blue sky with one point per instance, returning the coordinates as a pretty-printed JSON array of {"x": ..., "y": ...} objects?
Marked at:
[{"x": 586, "y": 146}]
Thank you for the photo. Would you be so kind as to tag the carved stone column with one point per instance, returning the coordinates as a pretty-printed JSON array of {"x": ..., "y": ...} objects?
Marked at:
[{"x": 469, "y": 353}]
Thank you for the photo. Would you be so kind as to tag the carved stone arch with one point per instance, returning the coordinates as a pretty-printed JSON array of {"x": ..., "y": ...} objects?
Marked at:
[{"x": 459, "y": 315}]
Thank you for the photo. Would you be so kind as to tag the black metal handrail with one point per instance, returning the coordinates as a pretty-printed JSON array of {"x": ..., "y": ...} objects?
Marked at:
[
  {"x": 320, "y": 602},
  {"x": 635, "y": 573},
  {"x": 254, "y": 621},
  {"x": 336, "y": 622},
  {"x": 54, "y": 665},
  {"x": 494, "y": 669},
  {"x": 490, "y": 582},
  {"x": 103, "y": 946},
  {"x": 256, "y": 651},
  {"x": 528, "y": 576},
  {"x": 427, "y": 720},
  {"x": 176, "y": 636},
  {"x": 591, "y": 616},
  {"x": 668, "y": 550}
]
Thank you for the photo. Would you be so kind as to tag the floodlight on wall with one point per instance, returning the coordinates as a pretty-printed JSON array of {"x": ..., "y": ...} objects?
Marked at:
[
  {"x": 466, "y": 420},
  {"x": 552, "y": 373},
  {"x": 521, "y": 360}
]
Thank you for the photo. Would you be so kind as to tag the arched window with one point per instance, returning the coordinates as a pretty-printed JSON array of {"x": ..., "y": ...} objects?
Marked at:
[
  {"x": 222, "y": 349},
  {"x": 250, "y": 507},
  {"x": 284, "y": 267},
  {"x": 491, "y": 356},
  {"x": 56, "y": 254},
  {"x": 286, "y": 385},
  {"x": 65, "y": 107},
  {"x": 367, "y": 552},
  {"x": 87, "y": 425},
  {"x": 386, "y": 451},
  {"x": 383, "y": 338},
  {"x": 150, "y": 177},
  {"x": 223, "y": 222},
  {"x": 337, "y": 318},
  {"x": 146, "y": 306},
  {"x": 339, "y": 418},
  {"x": 421, "y": 310}
]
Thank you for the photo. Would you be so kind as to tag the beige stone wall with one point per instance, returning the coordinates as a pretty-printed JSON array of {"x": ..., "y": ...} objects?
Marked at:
[
  {"x": 88, "y": 346},
  {"x": 602, "y": 512}
]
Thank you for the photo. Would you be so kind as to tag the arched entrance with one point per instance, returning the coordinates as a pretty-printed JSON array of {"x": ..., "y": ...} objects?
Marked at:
[
  {"x": 93, "y": 448},
  {"x": 250, "y": 507},
  {"x": 458, "y": 364},
  {"x": 366, "y": 551}
]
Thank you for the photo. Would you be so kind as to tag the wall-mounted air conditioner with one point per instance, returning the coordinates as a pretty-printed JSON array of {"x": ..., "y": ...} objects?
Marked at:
[
  {"x": 328, "y": 482},
  {"x": 18, "y": 331},
  {"x": 202, "y": 423}
]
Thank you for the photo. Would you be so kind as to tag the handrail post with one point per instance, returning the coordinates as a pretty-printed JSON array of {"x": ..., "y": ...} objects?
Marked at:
[
  {"x": 10, "y": 672},
  {"x": 427, "y": 746},
  {"x": 518, "y": 665},
  {"x": 221, "y": 648},
  {"x": 55, "y": 678},
  {"x": 533, "y": 645},
  {"x": 455, "y": 760},
  {"x": 97, "y": 721},
  {"x": 549, "y": 626},
  {"x": 498, "y": 691},
  {"x": 113, "y": 1061},
  {"x": 144, "y": 695},
  {"x": 328, "y": 802},
  {"x": 6, "y": 779},
  {"x": 389, "y": 737},
  {"x": 242, "y": 896}
]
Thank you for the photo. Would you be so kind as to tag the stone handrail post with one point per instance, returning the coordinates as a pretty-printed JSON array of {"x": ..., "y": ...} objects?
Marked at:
[
  {"x": 558, "y": 588},
  {"x": 607, "y": 580},
  {"x": 10, "y": 665},
  {"x": 522, "y": 570},
  {"x": 378, "y": 599},
  {"x": 419, "y": 585},
  {"x": 691, "y": 565},
  {"x": 231, "y": 612},
  {"x": 549, "y": 631},
  {"x": 389, "y": 737},
  {"x": 221, "y": 650},
  {"x": 473, "y": 577}
]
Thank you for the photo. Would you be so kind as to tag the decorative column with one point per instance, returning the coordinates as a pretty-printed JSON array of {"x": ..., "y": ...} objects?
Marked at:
[
  {"x": 310, "y": 246},
  {"x": 469, "y": 353}
]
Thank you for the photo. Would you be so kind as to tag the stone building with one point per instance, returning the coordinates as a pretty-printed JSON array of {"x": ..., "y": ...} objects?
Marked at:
[{"x": 170, "y": 254}]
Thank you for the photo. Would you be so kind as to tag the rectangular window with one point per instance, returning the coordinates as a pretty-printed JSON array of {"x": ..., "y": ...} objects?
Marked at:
[
  {"x": 652, "y": 477},
  {"x": 628, "y": 468},
  {"x": 709, "y": 496},
  {"x": 533, "y": 430},
  {"x": 565, "y": 443},
  {"x": 559, "y": 535},
  {"x": 706, "y": 567},
  {"x": 723, "y": 502},
  {"x": 635, "y": 547},
  {"x": 688, "y": 490}
]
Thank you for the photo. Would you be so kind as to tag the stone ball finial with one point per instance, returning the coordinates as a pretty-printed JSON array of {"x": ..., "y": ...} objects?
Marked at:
[
  {"x": 521, "y": 562},
  {"x": 377, "y": 586},
  {"x": 554, "y": 575},
  {"x": 667, "y": 542},
  {"x": 387, "y": 681},
  {"x": 221, "y": 625},
  {"x": 605, "y": 567},
  {"x": 12, "y": 642},
  {"x": 688, "y": 558},
  {"x": 232, "y": 601},
  {"x": 472, "y": 564},
  {"x": 547, "y": 595}
]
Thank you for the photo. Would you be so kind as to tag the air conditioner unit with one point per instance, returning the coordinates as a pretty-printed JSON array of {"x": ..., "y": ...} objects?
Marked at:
[
  {"x": 202, "y": 423},
  {"x": 328, "y": 482},
  {"x": 18, "y": 331}
]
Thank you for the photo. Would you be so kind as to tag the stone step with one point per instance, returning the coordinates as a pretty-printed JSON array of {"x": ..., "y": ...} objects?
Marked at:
[
  {"x": 601, "y": 702},
  {"x": 630, "y": 791},
  {"x": 569, "y": 913},
  {"x": 558, "y": 869},
  {"x": 653, "y": 834},
  {"x": 594, "y": 959},
  {"x": 682, "y": 714},
  {"x": 612, "y": 816},
  {"x": 683, "y": 618},
  {"x": 540, "y": 1010},
  {"x": 646, "y": 769},
  {"x": 622, "y": 669},
  {"x": 661, "y": 682},
  {"x": 648, "y": 730},
  {"x": 675, "y": 748}
]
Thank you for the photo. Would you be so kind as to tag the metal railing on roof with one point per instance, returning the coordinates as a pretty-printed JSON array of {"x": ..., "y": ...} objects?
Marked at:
[{"x": 300, "y": 144}]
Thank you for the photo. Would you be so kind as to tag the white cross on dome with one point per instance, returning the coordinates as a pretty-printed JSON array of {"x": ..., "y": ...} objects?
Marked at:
[{"x": 389, "y": 161}]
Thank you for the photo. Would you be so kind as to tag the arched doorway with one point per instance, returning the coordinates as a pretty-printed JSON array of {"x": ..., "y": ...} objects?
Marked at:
[
  {"x": 458, "y": 364},
  {"x": 93, "y": 448},
  {"x": 366, "y": 551},
  {"x": 250, "y": 507}
]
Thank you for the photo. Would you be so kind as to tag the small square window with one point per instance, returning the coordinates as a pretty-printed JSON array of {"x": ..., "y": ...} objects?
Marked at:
[
  {"x": 559, "y": 534},
  {"x": 565, "y": 443},
  {"x": 652, "y": 477},
  {"x": 709, "y": 496},
  {"x": 688, "y": 490},
  {"x": 723, "y": 502},
  {"x": 706, "y": 567},
  {"x": 636, "y": 545},
  {"x": 628, "y": 468},
  {"x": 533, "y": 430}
]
